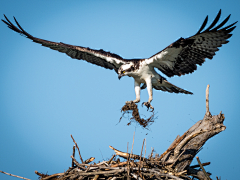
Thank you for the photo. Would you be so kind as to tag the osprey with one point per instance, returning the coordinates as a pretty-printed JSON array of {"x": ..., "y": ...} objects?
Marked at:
[{"x": 179, "y": 58}]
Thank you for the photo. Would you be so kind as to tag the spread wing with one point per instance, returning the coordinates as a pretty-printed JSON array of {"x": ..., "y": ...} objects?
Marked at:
[
  {"x": 182, "y": 56},
  {"x": 99, "y": 57}
]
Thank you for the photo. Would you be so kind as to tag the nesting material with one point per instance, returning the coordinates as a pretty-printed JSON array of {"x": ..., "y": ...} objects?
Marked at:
[{"x": 132, "y": 107}]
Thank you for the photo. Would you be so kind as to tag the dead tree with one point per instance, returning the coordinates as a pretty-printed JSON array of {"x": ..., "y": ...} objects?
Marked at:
[{"x": 182, "y": 151}]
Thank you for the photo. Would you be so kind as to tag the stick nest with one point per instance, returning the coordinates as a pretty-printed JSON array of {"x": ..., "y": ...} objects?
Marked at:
[{"x": 132, "y": 167}]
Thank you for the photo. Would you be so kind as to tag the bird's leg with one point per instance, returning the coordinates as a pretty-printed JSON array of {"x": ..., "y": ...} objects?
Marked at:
[
  {"x": 137, "y": 92},
  {"x": 149, "y": 89}
]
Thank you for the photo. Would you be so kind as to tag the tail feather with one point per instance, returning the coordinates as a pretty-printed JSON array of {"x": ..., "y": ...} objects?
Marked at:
[{"x": 167, "y": 86}]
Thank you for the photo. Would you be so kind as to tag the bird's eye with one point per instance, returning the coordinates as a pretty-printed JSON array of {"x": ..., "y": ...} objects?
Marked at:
[{"x": 123, "y": 72}]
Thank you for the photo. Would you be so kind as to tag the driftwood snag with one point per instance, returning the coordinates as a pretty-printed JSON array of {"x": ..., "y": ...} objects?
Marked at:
[{"x": 131, "y": 106}]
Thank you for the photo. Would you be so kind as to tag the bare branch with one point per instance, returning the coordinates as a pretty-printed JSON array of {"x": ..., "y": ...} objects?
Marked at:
[
  {"x": 200, "y": 164},
  {"x": 13, "y": 175},
  {"x": 73, "y": 155},
  {"x": 77, "y": 148},
  {"x": 207, "y": 101}
]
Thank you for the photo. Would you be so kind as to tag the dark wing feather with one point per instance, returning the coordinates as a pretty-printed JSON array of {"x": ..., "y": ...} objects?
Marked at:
[
  {"x": 183, "y": 56},
  {"x": 167, "y": 86},
  {"x": 99, "y": 57},
  {"x": 203, "y": 25},
  {"x": 214, "y": 22}
]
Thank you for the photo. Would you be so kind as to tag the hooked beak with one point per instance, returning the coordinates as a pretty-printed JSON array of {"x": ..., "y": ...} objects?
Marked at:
[{"x": 119, "y": 76}]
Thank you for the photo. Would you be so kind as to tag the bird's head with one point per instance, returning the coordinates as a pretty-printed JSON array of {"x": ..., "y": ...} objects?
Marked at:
[{"x": 125, "y": 70}]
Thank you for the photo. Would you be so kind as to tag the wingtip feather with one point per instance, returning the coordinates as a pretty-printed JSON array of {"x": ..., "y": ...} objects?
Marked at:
[
  {"x": 214, "y": 21},
  {"x": 203, "y": 25}
]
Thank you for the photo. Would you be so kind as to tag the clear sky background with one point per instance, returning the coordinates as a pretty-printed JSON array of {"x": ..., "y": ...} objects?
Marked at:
[{"x": 45, "y": 95}]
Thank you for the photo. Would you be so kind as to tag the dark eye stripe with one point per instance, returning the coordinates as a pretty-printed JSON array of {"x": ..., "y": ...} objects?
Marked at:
[{"x": 130, "y": 69}]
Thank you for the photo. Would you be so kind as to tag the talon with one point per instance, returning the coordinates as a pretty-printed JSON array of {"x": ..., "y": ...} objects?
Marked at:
[
  {"x": 152, "y": 109},
  {"x": 148, "y": 105}
]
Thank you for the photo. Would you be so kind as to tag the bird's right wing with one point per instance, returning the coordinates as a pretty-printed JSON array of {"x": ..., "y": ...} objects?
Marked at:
[{"x": 98, "y": 57}]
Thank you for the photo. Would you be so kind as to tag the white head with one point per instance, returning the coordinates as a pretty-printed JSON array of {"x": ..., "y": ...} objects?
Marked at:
[{"x": 125, "y": 70}]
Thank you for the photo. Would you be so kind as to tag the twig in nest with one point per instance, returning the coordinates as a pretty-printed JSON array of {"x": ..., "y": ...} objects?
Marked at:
[
  {"x": 77, "y": 163},
  {"x": 200, "y": 164},
  {"x": 131, "y": 106},
  {"x": 126, "y": 155},
  {"x": 203, "y": 164},
  {"x": 51, "y": 176},
  {"x": 96, "y": 177},
  {"x": 110, "y": 160},
  {"x": 119, "y": 164},
  {"x": 73, "y": 155},
  {"x": 89, "y": 160},
  {"x": 41, "y": 174},
  {"x": 13, "y": 175},
  {"x": 136, "y": 176},
  {"x": 133, "y": 142},
  {"x": 140, "y": 158},
  {"x": 77, "y": 148},
  {"x": 207, "y": 101}
]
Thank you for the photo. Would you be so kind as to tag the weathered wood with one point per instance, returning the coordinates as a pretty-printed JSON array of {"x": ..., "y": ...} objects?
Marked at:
[
  {"x": 14, "y": 175},
  {"x": 73, "y": 155},
  {"x": 207, "y": 101},
  {"x": 195, "y": 139},
  {"x": 77, "y": 148},
  {"x": 182, "y": 153},
  {"x": 200, "y": 164}
]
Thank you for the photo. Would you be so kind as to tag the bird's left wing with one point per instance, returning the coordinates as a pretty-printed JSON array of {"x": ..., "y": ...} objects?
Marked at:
[
  {"x": 98, "y": 57},
  {"x": 182, "y": 56}
]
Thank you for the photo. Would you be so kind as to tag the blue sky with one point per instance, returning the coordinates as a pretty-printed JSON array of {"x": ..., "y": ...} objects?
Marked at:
[{"x": 46, "y": 96}]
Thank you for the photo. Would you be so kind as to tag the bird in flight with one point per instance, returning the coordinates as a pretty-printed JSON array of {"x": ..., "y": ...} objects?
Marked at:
[{"x": 179, "y": 58}]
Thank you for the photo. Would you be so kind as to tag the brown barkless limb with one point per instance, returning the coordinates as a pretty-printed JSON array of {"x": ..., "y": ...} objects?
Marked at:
[
  {"x": 151, "y": 153},
  {"x": 207, "y": 101},
  {"x": 41, "y": 174},
  {"x": 133, "y": 142},
  {"x": 73, "y": 155},
  {"x": 77, "y": 148},
  {"x": 110, "y": 160},
  {"x": 77, "y": 163},
  {"x": 13, "y": 175},
  {"x": 89, "y": 160},
  {"x": 96, "y": 177},
  {"x": 200, "y": 164},
  {"x": 54, "y": 175},
  {"x": 140, "y": 158},
  {"x": 135, "y": 176},
  {"x": 126, "y": 155},
  {"x": 204, "y": 164},
  {"x": 101, "y": 172},
  {"x": 128, "y": 164}
]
